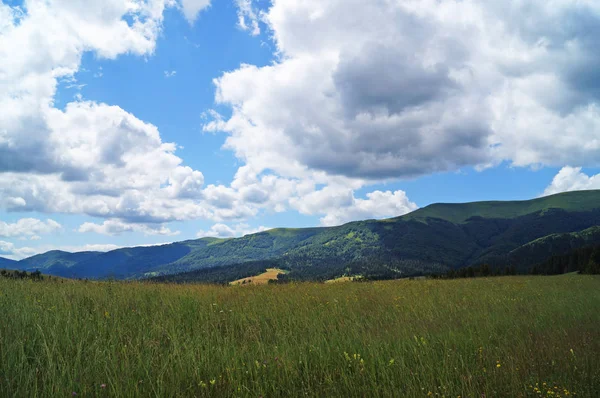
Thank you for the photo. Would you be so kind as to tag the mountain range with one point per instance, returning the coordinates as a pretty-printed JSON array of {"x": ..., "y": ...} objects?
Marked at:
[
  {"x": 432, "y": 239},
  {"x": 6, "y": 263}
]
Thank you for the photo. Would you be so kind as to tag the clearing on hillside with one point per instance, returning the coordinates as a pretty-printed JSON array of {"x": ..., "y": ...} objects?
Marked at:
[
  {"x": 261, "y": 279},
  {"x": 343, "y": 279}
]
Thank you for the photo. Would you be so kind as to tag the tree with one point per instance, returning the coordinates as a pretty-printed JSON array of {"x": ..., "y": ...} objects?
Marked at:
[
  {"x": 470, "y": 272},
  {"x": 485, "y": 269},
  {"x": 593, "y": 266}
]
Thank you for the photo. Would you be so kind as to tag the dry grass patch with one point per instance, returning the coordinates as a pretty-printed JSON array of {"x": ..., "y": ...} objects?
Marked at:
[
  {"x": 343, "y": 279},
  {"x": 260, "y": 279}
]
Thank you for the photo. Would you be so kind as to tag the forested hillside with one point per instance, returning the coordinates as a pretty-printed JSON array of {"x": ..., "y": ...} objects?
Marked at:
[
  {"x": 431, "y": 240},
  {"x": 434, "y": 239},
  {"x": 585, "y": 260}
]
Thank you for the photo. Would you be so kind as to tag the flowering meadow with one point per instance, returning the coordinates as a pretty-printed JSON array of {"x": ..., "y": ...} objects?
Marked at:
[{"x": 488, "y": 337}]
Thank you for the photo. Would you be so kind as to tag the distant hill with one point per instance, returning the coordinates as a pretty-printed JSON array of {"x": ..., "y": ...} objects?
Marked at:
[
  {"x": 54, "y": 262},
  {"x": 6, "y": 263},
  {"x": 119, "y": 263},
  {"x": 432, "y": 239},
  {"x": 135, "y": 261}
]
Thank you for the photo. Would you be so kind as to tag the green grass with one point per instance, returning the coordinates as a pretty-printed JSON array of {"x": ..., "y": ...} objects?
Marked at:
[{"x": 447, "y": 338}]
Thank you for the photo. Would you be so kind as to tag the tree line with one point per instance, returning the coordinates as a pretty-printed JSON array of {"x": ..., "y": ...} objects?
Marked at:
[
  {"x": 482, "y": 270},
  {"x": 36, "y": 275},
  {"x": 585, "y": 260}
]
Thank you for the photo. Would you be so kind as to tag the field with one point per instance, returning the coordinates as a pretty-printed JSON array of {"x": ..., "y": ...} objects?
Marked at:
[
  {"x": 261, "y": 279},
  {"x": 496, "y": 337},
  {"x": 340, "y": 279}
]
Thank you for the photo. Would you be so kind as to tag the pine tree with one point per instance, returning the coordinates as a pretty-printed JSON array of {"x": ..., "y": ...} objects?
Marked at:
[{"x": 593, "y": 266}]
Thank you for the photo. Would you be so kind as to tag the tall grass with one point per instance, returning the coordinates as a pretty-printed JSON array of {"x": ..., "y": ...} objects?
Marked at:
[{"x": 510, "y": 336}]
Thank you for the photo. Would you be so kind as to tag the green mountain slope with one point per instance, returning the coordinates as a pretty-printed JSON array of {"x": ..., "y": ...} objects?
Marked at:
[
  {"x": 444, "y": 235},
  {"x": 556, "y": 244},
  {"x": 577, "y": 201},
  {"x": 265, "y": 245},
  {"x": 437, "y": 237},
  {"x": 583, "y": 259},
  {"x": 220, "y": 274}
]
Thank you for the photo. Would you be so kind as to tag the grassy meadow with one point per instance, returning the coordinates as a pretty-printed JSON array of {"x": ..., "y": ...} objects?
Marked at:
[{"x": 496, "y": 337}]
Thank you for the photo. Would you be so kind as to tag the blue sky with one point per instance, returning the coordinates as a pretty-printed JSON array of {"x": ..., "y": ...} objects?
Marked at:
[{"x": 129, "y": 123}]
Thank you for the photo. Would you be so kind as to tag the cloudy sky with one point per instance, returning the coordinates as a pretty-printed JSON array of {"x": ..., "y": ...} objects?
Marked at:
[{"x": 127, "y": 122}]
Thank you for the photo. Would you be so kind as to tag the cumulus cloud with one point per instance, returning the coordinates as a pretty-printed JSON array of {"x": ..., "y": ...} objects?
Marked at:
[
  {"x": 248, "y": 17},
  {"x": 191, "y": 8},
  {"x": 430, "y": 86},
  {"x": 117, "y": 227},
  {"x": 339, "y": 205},
  {"x": 87, "y": 158},
  {"x": 220, "y": 230},
  {"x": 28, "y": 228},
  {"x": 10, "y": 251},
  {"x": 99, "y": 160},
  {"x": 106, "y": 163},
  {"x": 378, "y": 89},
  {"x": 572, "y": 179}
]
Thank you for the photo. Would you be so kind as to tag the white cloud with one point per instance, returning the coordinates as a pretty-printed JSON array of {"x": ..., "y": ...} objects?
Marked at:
[
  {"x": 100, "y": 160},
  {"x": 339, "y": 205},
  {"x": 108, "y": 164},
  {"x": 8, "y": 250},
  {"x": 170, "y": 73},
  {"x": 224, "y": 231},
  {"x": 377, "y": 205},
  {"x": 191, "y": 8},
  {"x": 90, "y": 248},
  {"x": 572, "y": 179},
  {"x": 117, "y": 227},
  {"x": 29, "y": 228},
  {"x": 88, "y": 158},
  {"x": 431, "y": 86},
  {"x": 248, "y": 17}
]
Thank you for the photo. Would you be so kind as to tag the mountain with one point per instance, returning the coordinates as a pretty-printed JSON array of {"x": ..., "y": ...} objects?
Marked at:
[
  {"x": 118, "y": 264},
  {"x": 576, "y": 201},
  {"x": 429, "y": 240},
  {"x": 55, "y": 262},
  {"x": 6, "y": 263},
  {"x": 135, "y": 261}
]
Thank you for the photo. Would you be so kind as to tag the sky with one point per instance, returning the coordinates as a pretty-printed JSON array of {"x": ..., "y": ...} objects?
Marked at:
[{"x": 140, "y": 122}]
